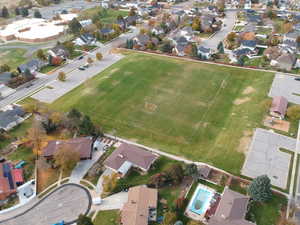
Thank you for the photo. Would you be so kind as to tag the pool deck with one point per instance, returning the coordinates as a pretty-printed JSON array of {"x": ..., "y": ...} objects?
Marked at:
[{"x": 195, "y": 216}]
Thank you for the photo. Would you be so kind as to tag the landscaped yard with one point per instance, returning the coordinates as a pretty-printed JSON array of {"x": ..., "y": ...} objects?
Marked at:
[
  {"x": 199, "y": 111},
  {"x": 110, "y": 217},
  {"x": 12, "y": 57}
]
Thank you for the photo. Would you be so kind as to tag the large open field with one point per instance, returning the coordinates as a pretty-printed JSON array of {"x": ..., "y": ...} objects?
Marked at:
[{"x": 199, "y": 111}]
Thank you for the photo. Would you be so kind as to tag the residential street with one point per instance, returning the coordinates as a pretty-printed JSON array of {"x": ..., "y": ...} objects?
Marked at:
[
  {"x": 38, "y": 84},
  {"x": 65, "y": 203},
  {"x": 228, "y": 25}
]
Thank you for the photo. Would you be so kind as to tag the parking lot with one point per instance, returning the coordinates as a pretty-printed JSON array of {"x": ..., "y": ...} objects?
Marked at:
[
  {"x": 265, "y": 157},
  {"x": 286, "y": 86}
]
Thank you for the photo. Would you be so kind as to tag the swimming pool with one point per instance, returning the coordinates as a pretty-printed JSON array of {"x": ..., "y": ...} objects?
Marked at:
[{"x": 201, "y": 200}]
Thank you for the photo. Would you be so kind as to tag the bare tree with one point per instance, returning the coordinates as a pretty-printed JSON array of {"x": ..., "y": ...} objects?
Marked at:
[
  {"x": 36, "y": 135},
  {"x": 66, "y": 157}
]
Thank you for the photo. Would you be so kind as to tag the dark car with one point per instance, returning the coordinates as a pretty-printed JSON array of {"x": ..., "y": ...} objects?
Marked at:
[
  {"x": 80, "y": 57},
  {"x": 81, "y": 68},
  {"x": 297, "y": 78}
]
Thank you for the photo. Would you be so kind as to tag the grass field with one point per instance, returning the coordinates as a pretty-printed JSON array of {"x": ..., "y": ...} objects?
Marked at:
[
  {"x": 12, "y": 57},
  {"x": 199, "y": 111},
  {"x": 109, "y": 217}
]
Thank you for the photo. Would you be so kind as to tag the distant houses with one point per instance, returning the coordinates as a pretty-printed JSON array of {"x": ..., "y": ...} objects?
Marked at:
[{"x": 11, "y": 116}]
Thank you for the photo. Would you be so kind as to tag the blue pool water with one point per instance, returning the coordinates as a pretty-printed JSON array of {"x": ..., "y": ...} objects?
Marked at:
[{"x": 200, "y": 201}]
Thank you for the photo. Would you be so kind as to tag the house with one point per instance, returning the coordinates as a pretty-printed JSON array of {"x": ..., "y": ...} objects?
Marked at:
[
  {"x": 141, "y": 40},
  {"x": 107, "y": 31},
  {"x": 272, "y": 53},
  {"x": 10, "y": 179},
  {"x": 131, "y": 20},
  {"x": 140, "y": 207},
  {"x": 127, "y": 156},
  {"x": 33, "y": 66},
  {"x": 292, "y": 35},
  {"x": 204, "y": 53},
  {"x": 179, "y": 49},
  {"x": 11, "y": 116},
  {"x": 289, "y": 46},
  {"x": 85, "y": 39},
  {"x": 85, "y": 23},
  {"x": 5, "y": 77},
  {"x": 250, "y": 44},
  {"x": 285, "y": 62},
  {"x": 279, "y": 107},
  {"x": 83, "y": 145},
  {"x": 59, "y": 51},
  {"x": 157, "y": 30},
  {"x": 231, "y": 210}
]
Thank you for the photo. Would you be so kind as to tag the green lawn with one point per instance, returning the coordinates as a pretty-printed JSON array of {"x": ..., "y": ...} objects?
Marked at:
[
  {"x": 191, "y": 109},
  {"x": 106, "y": 17},
  {"x": 267, "y": 213},
  {"x": 12, "y": 57},
  {"x": 109, "y": 217}
]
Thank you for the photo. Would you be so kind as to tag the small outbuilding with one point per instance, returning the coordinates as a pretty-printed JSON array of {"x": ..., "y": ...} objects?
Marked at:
[{"x": 279, "y": 107}]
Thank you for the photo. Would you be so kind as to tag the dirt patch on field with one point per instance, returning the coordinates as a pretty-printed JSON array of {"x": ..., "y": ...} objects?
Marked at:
[
  {"x": 248, "y": 90},
  {"x": 115, "y": 82},
  {"x": 113, "y": 71},
  {"x": 200, "y": 124},
  {"x": 200, "y": 103},
  {"x": 4, "y": 53},
  {"x": 126, "y": 73},
  {"x": 150, "y": 107},
  {"x": 240, "y": 101},
  {"x": 245, "y": 141},
  {"x": 223, "y": 84}
]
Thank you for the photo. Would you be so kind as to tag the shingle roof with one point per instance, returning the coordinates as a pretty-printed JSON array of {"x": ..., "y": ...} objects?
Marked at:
[
  {"x": 83, "y": 145},
  {"x": 136, "y": 210},
  {"x": 5, "y": 77},
  {"x": 137, "y": 156},
  {"x": 10, "y": 115}
]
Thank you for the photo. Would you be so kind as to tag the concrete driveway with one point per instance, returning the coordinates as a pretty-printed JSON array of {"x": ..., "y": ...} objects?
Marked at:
[
  {"x": 228, "y": 25},
  {"x": 64, "y": 204},
  {"x": 115, "y": 201},
  {"x": 286, "y": 86},
  {"x": 265, "y": 157}
]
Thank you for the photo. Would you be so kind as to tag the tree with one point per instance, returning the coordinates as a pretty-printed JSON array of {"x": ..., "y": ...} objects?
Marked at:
[
  {"x": 99, "y": 56},
  {"x": 86, "y": 126},
  {"x": 231, "y": 36},
  {"x": 293, "y": 112},
  {"x": 37, "y": 14},
  {"x": 61, "y": 76},
  {"x": 66, "y": 157},
  {"x": 74, "y": 26},
  {"x": 74, "y": 114},
  {"x": 40, "y": 54},
  {"x": 192, "y": 170},
  {"x": 221, "y": 47},
  {"x": 5, "y": 13},
  {"x": 169, "y": 218},
  {"x": 287, "y": 27},
  {"x": 84, "y": 220},
  {"x": 166, "y": 47},
  {"x": 24, "y": 12},
  {"x": 132, "y": 12},
  {"x": 36, "y": 135},
  {"x": 28, "y": 75},
  {"x": 175, "y": 173},
  {"x": 194, "y": 50},
  {"x": 260, "y": 189},
  {"x": 70, "y": 46},
  {"x": 17, "y": 11},
  {"x": 196, "y": 25},
  {"x": 4, "y": 68},
  {"x": 110, "y": 182},
  {"x": 90, "y": 60},
  {"x": 49, "y": 126}
]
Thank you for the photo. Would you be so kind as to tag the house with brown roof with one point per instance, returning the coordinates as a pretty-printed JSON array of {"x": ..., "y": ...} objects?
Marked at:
[
  {"x": 83, "y": 145},
  {"x": 127, "y": 156},
  {"x": 279, "y": 107},
  {"x": 232, "y": 209},
  {"x": 140, "y": 207}
]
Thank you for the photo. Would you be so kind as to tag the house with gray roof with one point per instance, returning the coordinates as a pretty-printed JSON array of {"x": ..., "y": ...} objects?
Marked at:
[
  {"x": 285, "y": 62},
  {"x": 11, "y": 116},
  {"x": 33, "y": 66},
  {"x": 292, "y": 35},
  {"x": 5, "y": 77},
  {"x": 231, "y": 210}
]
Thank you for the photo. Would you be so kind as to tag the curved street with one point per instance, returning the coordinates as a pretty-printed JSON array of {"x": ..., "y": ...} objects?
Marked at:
[{"x": 65, "y": 203}]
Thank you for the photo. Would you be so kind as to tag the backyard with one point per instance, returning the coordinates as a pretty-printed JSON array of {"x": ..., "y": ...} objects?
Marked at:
[
  {"x": 12, "y": 57},
  {"x": 110, "y": 217},
  {"x": 199, "y": 111}
]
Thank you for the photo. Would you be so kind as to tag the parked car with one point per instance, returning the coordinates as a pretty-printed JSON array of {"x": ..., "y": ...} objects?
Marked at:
[
  {"x": 80, "y": 57},
  {"x": 297, "y": 78},
  {"x": 81, "y": 68}
]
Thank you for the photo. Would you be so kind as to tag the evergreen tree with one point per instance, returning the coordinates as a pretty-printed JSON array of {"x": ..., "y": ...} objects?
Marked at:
[
  {"x": 5, "y": 13},
  {"x": 24, "y": 12},
  {"x": 75, "y": 26},
  {"x": 86, "y": 126},
  {"x": 194, "y": 50},
  {"x": 221, "y": 47},
  {"x": 260, "y": 189},
  {"x": 28, "y": 75},
  {"x": 37, "y": 14},
  {"x": 17, "y": 11}
]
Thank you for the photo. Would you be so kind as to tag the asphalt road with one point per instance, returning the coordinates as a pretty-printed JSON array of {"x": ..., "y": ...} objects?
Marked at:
[
  {"x": 64, "y": 204},
  {"x": 228, "y": 25},
  {"x": 44, "y": 80}
]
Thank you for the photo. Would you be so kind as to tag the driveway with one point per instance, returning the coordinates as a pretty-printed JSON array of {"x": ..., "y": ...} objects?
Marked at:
[
  {"x": 65, "y": 203},
  {"x": 83, "y": 167},
  {"x": 115, "y": 201},
  {"x": 229, "y": 22},
  {"x": 265, "y": 157},
  {"x": 286, "y": 86}
]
